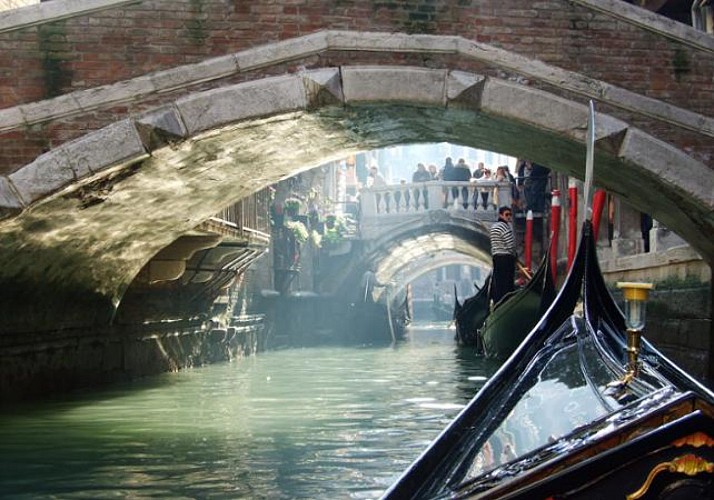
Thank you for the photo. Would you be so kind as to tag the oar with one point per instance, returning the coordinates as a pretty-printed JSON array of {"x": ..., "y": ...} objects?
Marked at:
[
  {"x": 589, "y": 164},
  {"x": 524, "y": 270}
]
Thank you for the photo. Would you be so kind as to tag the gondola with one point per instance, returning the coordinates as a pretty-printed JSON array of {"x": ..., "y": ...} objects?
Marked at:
[
  {"x": 497, "y": 333},
  {"x": 505, "y": 327},
  {"x": 558, "y": 419},
  {"x": 470, "y": 316},
  {"x": 568, "y": 417}
]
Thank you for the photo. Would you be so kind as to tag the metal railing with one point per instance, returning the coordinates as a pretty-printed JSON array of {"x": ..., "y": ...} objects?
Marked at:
[{"x": 247, "y": 219}]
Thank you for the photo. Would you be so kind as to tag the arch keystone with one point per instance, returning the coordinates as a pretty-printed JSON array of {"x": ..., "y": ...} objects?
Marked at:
[{"x": 395, "y": 84}]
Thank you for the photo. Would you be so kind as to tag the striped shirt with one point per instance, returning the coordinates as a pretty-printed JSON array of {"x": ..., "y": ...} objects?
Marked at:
[{"x": 502, "y": 240}]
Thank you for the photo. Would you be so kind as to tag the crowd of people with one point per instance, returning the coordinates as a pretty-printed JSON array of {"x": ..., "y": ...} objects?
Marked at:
[{"x": 528, "y": 186}]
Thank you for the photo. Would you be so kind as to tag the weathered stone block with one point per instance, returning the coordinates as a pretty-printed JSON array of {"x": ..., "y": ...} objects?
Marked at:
[
  {"x": 323, "y": 87},
  {"x": 464, "y": 89},
  {"x": 216, "y": 108},
  {"x": 8, "y": 199},
  {"x": 394, "y": 84},
  {"x": 117, "y": 144},
  {"x": 668, "y": 163},
  {"x": 697, "y": 333},
  {"x": 44, "y": 176},
  {"x": 161, "y": 128},
  {"x": 391, "y": 42},
  {"x": 59, "y": 106},
  {"x": 11, "y": 118},
  {"x": 680, "y": 303},
  {"x": 280, "y": 52},
  {"x": 119, "y": 92},
  {"x": 192, "y": 74}
]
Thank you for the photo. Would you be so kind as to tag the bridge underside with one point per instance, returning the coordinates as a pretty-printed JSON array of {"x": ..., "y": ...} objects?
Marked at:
[{"x": 82, "y": 220}]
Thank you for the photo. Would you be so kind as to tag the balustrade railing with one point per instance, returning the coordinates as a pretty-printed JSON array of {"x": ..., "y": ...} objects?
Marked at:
[{"x": 476, "y": 197}]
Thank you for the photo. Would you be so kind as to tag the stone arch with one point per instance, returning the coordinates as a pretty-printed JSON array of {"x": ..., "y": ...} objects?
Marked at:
[
  {"x": 88, "y": 214},
  {"x": 415, "y": 243}
]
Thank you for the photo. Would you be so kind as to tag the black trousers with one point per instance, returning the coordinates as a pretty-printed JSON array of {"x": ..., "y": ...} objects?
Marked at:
[{"x": 504, "y": 271}]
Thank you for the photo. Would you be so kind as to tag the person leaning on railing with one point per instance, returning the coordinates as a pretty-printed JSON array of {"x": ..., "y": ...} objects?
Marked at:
[
  {"x": 421, "y": 174},
  {"x": 484, "y": 191},
  {"x": 462, "y": 173}
]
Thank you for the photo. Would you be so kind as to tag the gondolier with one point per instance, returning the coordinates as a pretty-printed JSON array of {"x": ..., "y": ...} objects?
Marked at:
[{"x": 503, "y": 253}]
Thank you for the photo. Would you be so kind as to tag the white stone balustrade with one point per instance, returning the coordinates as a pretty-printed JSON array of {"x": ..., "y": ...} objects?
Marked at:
[{"x": 475, "y": 197}]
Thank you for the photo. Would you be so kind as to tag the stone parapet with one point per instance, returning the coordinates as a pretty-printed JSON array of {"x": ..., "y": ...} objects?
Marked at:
[{"x": 678, "y": 263}]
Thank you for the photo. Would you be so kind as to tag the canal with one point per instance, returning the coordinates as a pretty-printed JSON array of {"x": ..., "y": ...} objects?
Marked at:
[{"x": 312, "y": 423}]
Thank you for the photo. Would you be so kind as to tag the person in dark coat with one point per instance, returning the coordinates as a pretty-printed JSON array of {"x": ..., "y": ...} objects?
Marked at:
[
  {"x": 421, "y": 174},
  {"x": 462, "y": 173},
  {"x": 447, "y": 175}
]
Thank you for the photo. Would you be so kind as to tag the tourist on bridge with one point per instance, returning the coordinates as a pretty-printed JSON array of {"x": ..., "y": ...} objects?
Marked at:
[
  {"x": 433, "y": 172},
  {"x": 503, "y": 253},
  {"x": 462, "y": 173},
  {"x": 421, "y": 174},
  {"x": 484, "y": 191},
  {"x": 375, "y": 179},
  {"x": 536, "y": 185},
  {"x": 447, "y": 175},
  {"x": 479, "y": 170}
]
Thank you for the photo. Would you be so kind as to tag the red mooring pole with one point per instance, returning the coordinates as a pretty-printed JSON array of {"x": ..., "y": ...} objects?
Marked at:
[
  {"x": 598, "y": 205},
  {"x": 572, "y": 220},
  {"x": 528, "y": 252},
  {"x": 554, "y": 233}
]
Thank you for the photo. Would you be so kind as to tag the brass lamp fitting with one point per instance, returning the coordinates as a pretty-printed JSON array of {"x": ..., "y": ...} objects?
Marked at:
[{"x": 635, "y": 300}]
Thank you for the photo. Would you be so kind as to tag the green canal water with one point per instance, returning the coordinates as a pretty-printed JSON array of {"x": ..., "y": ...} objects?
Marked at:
[{"x": 313, "y": 423}]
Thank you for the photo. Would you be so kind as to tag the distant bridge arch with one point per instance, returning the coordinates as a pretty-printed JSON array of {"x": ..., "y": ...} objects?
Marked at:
[{"x": 401, "y": 254}]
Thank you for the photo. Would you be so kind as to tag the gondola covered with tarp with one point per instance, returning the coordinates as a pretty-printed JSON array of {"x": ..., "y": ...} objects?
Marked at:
[{"x": 563, "y": 418}]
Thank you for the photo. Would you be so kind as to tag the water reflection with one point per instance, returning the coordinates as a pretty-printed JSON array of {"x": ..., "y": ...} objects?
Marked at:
[{"x": 332, "y": 422}]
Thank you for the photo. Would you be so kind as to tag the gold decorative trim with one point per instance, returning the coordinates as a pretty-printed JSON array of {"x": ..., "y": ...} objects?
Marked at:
[
  {"x": 697, "y": 440},
  {"x": 688, "y": 464}
]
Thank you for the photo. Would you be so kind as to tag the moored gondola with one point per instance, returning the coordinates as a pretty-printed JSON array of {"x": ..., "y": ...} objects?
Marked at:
[
  {"x": 470, "y": 316},
  {"x": 496, "y": 330},
  {"x": 516, "y": 314}
]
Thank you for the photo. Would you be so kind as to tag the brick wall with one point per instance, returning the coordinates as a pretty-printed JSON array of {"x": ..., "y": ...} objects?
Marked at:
[{"x": 55, "y": 58}]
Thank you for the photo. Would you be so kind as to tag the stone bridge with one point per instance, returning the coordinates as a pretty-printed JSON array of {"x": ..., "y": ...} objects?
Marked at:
[
  {"x": 405, "y": 230},
  {"x": 125, "y": 125}
]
